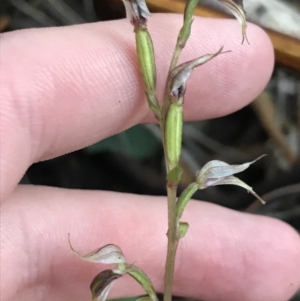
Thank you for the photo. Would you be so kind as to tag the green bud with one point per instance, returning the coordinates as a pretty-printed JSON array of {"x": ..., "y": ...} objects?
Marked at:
[
  {"x": 146, "y": 58},
  {"x": 173, "y": 134}
]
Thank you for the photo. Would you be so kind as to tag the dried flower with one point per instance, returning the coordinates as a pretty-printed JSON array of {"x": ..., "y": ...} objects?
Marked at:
[
  {"x": 102, "y": 283},
  {"x": 137, "y": 12},
  {"x": 179, "y": 75},
  {"x": 237, "y": 9}
]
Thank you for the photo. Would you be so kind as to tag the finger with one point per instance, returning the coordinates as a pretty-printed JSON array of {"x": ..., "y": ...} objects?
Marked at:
[
  {"x": 225, "y": 256},
  {"x": 73, "y": 86}
]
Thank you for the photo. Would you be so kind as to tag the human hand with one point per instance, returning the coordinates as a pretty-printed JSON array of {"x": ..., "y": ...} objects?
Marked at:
[{"x": 65, "y": 88}]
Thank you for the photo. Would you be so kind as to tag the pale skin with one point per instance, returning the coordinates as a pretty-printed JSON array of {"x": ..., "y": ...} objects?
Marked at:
[{"x": 65, "y": 88}]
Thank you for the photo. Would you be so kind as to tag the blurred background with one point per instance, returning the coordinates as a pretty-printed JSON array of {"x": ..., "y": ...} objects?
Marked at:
[{"x": 270, "y": 125}]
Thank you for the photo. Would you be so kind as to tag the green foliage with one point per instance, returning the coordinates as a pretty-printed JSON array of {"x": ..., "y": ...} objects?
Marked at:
[{"x": 137, "y": 142}]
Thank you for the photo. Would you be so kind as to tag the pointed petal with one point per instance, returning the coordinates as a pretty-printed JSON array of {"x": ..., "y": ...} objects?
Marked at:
[
  {"x": 107, "y": 254},
  {"x": 216, "y": 169},
  {"x": 231, "y": 180},
  {"x": 217, "y": 172},
  {"x": 237, "y": 9}
]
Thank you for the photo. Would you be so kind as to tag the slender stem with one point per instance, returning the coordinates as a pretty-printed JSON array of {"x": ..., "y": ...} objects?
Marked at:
[
  {"x": 175, "y": 57},
  {"x": 172, "y": 197},
  {"x": 172, "y": 229},
  {"x": 184, "y": 32},
  {"x": 172, "y": 243},
  {"x": 173, "y": 238}
]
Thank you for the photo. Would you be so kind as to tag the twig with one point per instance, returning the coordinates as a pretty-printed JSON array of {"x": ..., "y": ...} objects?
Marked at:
[
  {"x": 29, "y": 10},
  {"x": 264, "y": 109},
  {"x": 63, "y": 12}
]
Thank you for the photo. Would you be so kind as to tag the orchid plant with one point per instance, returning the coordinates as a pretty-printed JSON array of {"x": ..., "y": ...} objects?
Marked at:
[{"x": 169, "y": 114}]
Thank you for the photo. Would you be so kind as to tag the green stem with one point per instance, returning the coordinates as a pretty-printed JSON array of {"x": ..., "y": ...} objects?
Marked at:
[
  {"x": 172, "y": 243},
  {"x": 172, "y": 226},
  {"x": 184, "y": 33},
  {"x": 172, "y": 126},
  {"x": 169, "y": 126},
  {"x": 176, "y": 55}
]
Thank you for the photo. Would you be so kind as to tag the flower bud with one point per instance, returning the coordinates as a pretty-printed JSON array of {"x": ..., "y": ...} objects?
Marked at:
[
  {"x": 179, "y": 75},
  {"x": 173, "y": 134},
  {"x": 146, "y": 59}
]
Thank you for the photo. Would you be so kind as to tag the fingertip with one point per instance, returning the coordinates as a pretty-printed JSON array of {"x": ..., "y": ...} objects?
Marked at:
[
  {"x": 283, "y": 254},
  {"x": 272, "y": 262},
  {"x": 235, "y": 256}
]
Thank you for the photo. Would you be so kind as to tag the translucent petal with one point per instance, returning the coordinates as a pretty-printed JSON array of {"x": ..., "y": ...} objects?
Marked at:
[
  {"x": 217, "y": 172},
  {"x": 231, "y": 180},
  {"x": 237, "y": 9},
  {"x": 216, "y": 169},
  {"x": 106, "y": 254}
]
